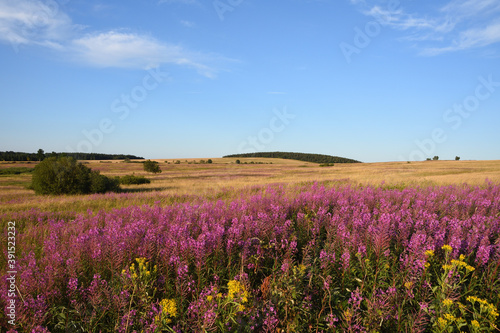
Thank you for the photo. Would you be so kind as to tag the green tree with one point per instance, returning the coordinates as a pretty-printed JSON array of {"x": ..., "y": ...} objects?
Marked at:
[
  {"x": 238, "y": 162},
  {"x": 209, "y": 161},
  {"x": 40, "y": 154},
  {"x": 457, "y": 158},
  {"x": 435, "y": 158},
  {"x": 64, "y": 175},
  {"x": 152, "y": 166}
]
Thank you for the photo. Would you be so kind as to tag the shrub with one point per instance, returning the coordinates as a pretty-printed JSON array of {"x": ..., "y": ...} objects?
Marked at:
[
  {"x": 209, "y": 161},
  {"x": 152, "y": 166},
  {"x": 238, "y": 161},
  {"x": 133, "y": 180},
  {"x": 457, "y": 158},
  {"x": 65, "y": 175}
]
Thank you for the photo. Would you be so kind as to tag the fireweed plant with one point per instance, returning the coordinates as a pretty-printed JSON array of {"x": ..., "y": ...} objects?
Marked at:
[{"x": 308, "y": 259}]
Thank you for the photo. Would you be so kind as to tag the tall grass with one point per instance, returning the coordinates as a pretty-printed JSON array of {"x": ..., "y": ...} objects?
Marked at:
[{"x": 307, "y": 258}]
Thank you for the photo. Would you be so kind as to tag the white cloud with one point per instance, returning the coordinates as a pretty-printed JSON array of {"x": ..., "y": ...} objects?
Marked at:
[
  {"x": 33, "y": 22},
  {"x": 468, "y": 39},
  {"x": 130, "y": 50},
  {"x": 458, "y": 25}
]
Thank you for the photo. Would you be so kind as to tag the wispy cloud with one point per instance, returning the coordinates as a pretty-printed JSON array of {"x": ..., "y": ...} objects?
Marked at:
[
  {"x": 457, "y": 25},
  {"x": 32, "y": 22},
  {"x": 130, "y": 50}
]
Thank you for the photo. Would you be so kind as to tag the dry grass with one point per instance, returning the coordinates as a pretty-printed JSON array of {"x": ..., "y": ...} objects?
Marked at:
[{"x": 180, "y": 182}]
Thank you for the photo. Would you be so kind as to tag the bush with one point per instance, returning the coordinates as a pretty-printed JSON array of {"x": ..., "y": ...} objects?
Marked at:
[
  {"x": 65, "y": 175},
  {"x": 209, "y": 161},
  {"x": 152, "y": 166},
  {"x": 457, "y": 158},
  {"x": 133, "y": 180}
]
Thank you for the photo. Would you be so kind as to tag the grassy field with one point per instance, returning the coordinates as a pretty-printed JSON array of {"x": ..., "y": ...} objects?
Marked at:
[
  {"x": 265, "y": 245},
  {"x": 181, "y": 182}
]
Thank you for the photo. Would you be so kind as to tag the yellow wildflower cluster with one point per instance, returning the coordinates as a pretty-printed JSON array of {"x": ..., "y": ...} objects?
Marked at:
[
  {"x": 447, "y": 248},
  {"x": 490, "y": 308},
  {"x": 408, "y": 285},
  {"x": 429, "y": 253},
  {"x": 461, "y": 263},
  {"x": 347, "y": 315},
  {"x": 442, "y": 322},
  {"x": 168, "y": 310},
  {"x": 237, "y": 289},
  {"x": 475, "y": 323},
  {"x": 448, "y": 319},
  {"x": 300, "y": 269},
  {"x": 447, "y": 302},
  {"x": 142, "y": 269}
]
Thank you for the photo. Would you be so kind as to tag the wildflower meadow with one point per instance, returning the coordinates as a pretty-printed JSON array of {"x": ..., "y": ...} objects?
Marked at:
[{"x": 308, "y": 258}]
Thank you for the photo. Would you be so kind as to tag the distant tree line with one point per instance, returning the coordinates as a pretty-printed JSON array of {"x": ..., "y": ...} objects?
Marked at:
[
  {"x": 314, "y": 158},
  {"x": 40, "y": 155}
]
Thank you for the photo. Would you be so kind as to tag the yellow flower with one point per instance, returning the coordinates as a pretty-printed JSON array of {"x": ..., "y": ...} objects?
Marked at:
[
  {"x": 475, "y": 323},
  {"x": 449, "y": 317},
  {"x": 447, "y": 302},
  {"x": 442, "y": 322},
  {"x": 462, "y": 257},
  {"x": 447, "y": 248},
  {"x": 408, "y": 285},
  {"x": 427, "y": 265},
  {"x": 209, "y": 298},
  {"x": 447, "y": 267},
  {"x": 469, "y": 268},
  {"x": 168, "y": 309},
  {"x": 347, "y": 315},
  {"x": 429, "y": 253},
  {"x": 237, "y": 288}
]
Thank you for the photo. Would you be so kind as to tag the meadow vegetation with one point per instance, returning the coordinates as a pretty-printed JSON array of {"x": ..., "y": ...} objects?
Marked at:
[{"x": 282, "y": 247}]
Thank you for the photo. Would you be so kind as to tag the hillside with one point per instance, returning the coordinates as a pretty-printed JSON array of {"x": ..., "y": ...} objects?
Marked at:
[
  {"x": 21, "y": 156},
  {"x": 314, "y": 158}
]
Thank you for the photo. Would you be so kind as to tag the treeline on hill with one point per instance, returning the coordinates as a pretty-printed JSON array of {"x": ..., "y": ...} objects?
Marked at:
[
  {"x": 19, "y": 156},
  {"x": 315, "y": 158}
]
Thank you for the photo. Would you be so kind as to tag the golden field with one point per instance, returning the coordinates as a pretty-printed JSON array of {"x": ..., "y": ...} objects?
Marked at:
[{"x": 222, "y": 178}]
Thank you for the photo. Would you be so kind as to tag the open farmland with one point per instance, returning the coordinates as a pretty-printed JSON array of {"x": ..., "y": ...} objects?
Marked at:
[{"x": 282, "y": 247}]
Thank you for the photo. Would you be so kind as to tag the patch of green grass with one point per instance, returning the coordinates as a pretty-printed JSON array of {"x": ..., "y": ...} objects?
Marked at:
[{"x": 15, "y": 171}]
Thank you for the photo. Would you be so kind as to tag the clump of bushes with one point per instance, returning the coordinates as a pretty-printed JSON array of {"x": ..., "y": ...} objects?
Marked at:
[
  {"x": 152, "y": 166},
  {"x": 326, "y": 165},
  {"x": 64, "y": 175},
  {"x": 133, "y": 180}
]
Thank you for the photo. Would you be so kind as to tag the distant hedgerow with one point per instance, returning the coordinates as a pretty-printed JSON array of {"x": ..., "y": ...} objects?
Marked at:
[{"x": 65, "y": 175}]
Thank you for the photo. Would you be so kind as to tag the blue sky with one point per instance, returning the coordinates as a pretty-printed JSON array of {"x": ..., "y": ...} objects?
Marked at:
[{"x": 366, "y": 79}]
